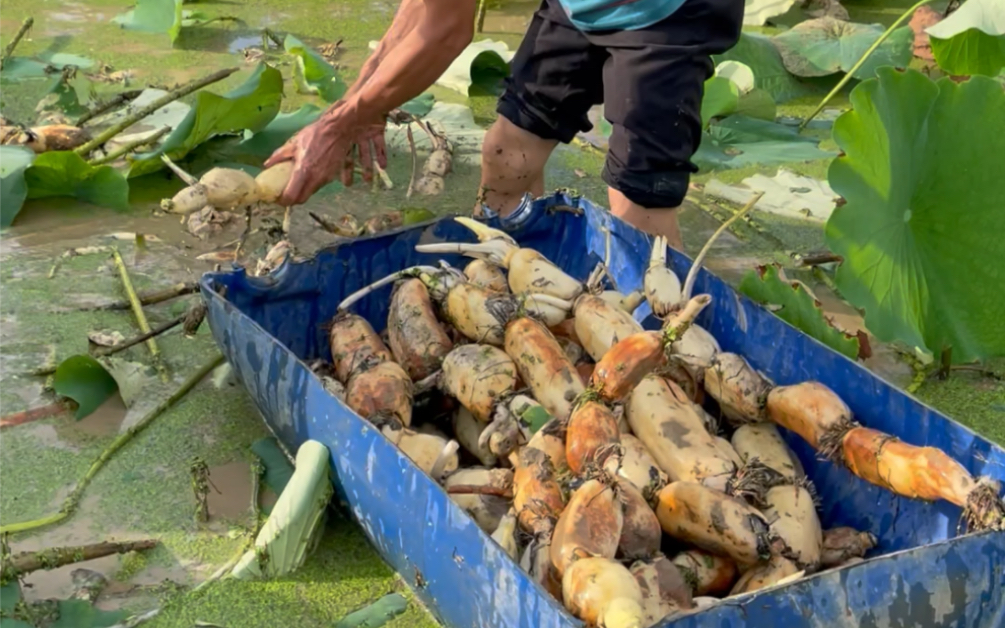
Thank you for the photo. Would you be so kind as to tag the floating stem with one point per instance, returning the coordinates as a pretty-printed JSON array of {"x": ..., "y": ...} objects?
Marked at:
[
  {"x": 135, "y": 117},
  {"x": 34, "y": 414},
  {"x": 141, "y": 317},
  {"x": 53, "y": 557},
  {"x": 152, "y": 297},
  {"x": 119, "y": 99},
  {"x": 73, "y": 499}
]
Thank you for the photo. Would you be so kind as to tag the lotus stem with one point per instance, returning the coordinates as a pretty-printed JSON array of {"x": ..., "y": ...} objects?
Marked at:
[
  {"x": 692, "y": 274},
  {"x": 858, "y": 64},
  {"x": 73, "y": 500}
]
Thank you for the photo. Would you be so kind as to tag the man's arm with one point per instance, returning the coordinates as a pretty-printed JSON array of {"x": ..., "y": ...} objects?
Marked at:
[
  {"x": 409, "y": 65},
  {"x": 409, "y": 15}
]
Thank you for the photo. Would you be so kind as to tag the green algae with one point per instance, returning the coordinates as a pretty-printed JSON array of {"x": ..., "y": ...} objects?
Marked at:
[
  {"x": 974, "y": 399},
  {"x": 342, "y": 575},
  {"x": 130, "y": 565},
  {"x": 37, "y": 473}
]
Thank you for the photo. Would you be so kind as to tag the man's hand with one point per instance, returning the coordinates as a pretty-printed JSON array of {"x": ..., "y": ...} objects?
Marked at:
[{"x": 324, "y": 150}]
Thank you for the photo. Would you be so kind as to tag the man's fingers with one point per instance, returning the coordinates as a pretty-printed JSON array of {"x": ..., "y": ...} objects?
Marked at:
[
  {"x": 380, "y": 150},
  {"x": 347, "y": 169},
  {"x": 366, "y": 160},
  {"x": 298, "y": 190},
  {"x": 292, "y": 193},
  {"x": 283, "y": 153}
]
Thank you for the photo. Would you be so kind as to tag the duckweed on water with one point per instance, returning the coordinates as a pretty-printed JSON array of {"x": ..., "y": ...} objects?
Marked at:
[
  {"x": 973, "y": 399},
  {"x": 342, "y": 575}
]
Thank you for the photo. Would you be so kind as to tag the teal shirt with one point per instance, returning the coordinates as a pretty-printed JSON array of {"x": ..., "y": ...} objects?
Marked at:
[{"x": 598, "y": 15}]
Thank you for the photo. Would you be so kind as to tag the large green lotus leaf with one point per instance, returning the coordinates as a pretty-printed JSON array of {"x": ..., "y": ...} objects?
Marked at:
[
  {"x": 65, "y": 173},
  {"x": 760, "y": 55},
  {"x": 283, "y": 127},
  {"x": 721, "y": 97},
  {"x": 420, "y": 105},
  {"x": 297, "y": 520},
  {"x": 757, "y": 103},
  {"x": 312, "y": 74},
  {"x": 14, "y": 161},
  {"x": 750, "y": 100},
  {"x": 825, "y": 46},
  {"x": 920, "y": 233},
  {"x": 478, "y": 69},
  {"x": 971, "y": 40},
  {"x": 10, "y": 595},
  {"x": 278, "y": 469},
  {"x": 740, "y": 141},
  {"x": 793, "y": 303},
  {"x": 42, "y": 65},
  {"x": 153, "y": 16},
  {"x": 170, "y": 115},
  {"x": 453, "y": 120},
  {"x": 249, "y": 107},
  {"x": 131, "y": 378},
  {"x": 67, "y": 97}
]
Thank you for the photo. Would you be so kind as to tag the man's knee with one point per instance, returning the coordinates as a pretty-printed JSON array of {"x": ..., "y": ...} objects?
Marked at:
[{"x": 512, "y": 154}]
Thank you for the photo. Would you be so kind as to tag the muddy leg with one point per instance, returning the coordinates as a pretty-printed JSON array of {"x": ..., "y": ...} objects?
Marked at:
[{"x": 512, "y": 165}]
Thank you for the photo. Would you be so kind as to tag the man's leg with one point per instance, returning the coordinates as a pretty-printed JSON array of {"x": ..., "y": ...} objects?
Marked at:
[
  {"x": 653, "y": 86},
  {"x": 662, "y": 221},
  {"x": 512, "y": 165},
  {"x": 556, "y": 76}
]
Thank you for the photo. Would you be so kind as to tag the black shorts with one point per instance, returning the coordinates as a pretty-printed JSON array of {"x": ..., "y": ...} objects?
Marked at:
[{"x": 650, "y": 82}]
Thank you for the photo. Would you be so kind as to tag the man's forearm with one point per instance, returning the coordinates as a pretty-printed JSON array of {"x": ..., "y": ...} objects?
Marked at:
[
  {"x": 417, "y": 60},
  {"x": 408, "y": 16}
]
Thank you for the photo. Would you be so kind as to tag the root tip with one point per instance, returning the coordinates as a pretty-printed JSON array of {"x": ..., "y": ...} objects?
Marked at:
[{"x": 985, "y": 509}]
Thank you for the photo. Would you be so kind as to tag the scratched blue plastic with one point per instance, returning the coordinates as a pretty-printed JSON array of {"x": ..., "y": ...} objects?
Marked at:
[{"x": 923, "y": 575}]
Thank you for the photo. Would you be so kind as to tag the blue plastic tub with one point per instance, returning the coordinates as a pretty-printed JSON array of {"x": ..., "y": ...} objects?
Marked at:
[{"x": 921, "y": 574}]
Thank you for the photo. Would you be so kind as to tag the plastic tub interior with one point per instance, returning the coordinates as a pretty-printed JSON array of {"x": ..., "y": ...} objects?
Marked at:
[{"x": 923, "y": 573}]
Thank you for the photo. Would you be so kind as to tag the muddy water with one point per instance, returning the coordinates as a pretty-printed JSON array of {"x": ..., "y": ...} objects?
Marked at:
[
  {"x": 82, "y": 530},
  {"x": 106, "y": 420},
  {"x": 230, "y": 493}
]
